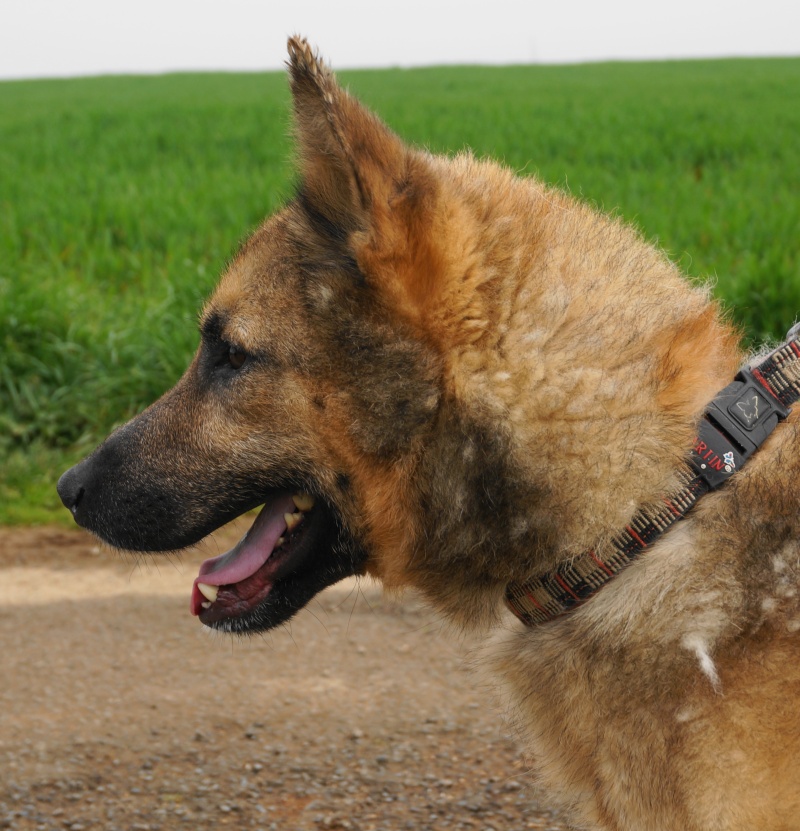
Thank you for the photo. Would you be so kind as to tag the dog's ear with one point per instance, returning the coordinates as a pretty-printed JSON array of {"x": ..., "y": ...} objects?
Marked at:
[
  {"x": 350, "y": 161},
  {"x": 376, "y": 191}
]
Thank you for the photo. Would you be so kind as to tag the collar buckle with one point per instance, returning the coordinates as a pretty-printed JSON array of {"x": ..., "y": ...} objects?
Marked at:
[{"x": 736, "y": 423}]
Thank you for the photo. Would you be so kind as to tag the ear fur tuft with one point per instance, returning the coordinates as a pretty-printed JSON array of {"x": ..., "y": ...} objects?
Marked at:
[{"x": 304, "y": 61}]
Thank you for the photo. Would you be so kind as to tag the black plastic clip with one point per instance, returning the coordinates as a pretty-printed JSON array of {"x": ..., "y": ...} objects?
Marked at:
[{"x": 736, "y": 423}]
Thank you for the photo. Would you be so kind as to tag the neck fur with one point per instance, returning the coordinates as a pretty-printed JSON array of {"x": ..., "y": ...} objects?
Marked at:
[{"x": 574, "y": 388}]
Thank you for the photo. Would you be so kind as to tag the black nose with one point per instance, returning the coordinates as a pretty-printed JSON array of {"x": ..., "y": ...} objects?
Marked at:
[{"x": 70, "y": 489}]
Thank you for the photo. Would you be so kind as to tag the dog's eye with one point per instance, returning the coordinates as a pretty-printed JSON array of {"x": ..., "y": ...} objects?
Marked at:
[{"x": 236, "y": 357}]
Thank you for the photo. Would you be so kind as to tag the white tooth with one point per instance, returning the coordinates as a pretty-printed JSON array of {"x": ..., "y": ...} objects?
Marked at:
[
  {"x": 280, "y": 542},
  {"x": 206, "y": 604},
  {"x": 303, "y": 501},
  {"x": 209, "y": 592},
  {"x": 292, "y": 520}
]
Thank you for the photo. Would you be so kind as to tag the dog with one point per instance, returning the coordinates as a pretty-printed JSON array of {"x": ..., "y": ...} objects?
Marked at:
[{"x": 439, "y": 374}]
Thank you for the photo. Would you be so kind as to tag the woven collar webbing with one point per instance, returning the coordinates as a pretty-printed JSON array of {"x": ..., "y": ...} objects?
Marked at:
[{"x": 734, "y": 426}]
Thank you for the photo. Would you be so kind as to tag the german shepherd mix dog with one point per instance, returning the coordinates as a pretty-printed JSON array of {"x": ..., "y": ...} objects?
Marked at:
[{"x": 436, "y": 373}]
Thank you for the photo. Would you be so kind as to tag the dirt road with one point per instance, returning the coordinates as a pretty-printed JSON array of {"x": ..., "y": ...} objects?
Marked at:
[{"x": 118, "y": 710}]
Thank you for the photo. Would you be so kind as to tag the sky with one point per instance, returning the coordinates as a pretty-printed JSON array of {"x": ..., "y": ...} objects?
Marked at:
[{"x": 49, "y": 38}]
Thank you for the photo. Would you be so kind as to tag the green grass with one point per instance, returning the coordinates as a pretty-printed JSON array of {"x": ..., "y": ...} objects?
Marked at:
[{"x": 121, "y": 198}]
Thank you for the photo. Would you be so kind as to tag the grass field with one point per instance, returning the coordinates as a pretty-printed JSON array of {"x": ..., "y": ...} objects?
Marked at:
[{"x": 122, "y": 198}]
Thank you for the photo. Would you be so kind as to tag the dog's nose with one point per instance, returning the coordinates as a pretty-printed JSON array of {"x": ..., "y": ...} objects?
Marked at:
[{"x": 71, "y": 489}]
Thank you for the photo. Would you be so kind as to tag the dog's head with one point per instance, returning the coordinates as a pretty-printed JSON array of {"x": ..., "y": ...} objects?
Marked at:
[{"x": 312, "y": 388}]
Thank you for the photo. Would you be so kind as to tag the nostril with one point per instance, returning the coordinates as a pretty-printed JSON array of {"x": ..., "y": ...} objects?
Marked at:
[{"x": 78, "y": 497}]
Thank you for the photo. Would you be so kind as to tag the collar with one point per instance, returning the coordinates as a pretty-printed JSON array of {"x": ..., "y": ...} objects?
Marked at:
[{"x": 735, "y": 424}]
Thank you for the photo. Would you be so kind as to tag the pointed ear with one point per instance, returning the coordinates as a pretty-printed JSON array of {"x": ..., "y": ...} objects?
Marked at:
[
  {"x": 351, "y": 163},
  {"x": 385, "y": 197}
]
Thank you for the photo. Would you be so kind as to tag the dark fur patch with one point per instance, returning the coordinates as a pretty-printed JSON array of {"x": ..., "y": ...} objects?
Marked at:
[{"x": 482, "y": 518}]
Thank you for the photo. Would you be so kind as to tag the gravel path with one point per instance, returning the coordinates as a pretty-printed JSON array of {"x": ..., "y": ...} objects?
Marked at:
[{"x": 118, "y": 711}]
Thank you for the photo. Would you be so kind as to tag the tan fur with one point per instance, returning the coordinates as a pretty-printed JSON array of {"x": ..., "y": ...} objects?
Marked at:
[{"x": 482, "y": 377}]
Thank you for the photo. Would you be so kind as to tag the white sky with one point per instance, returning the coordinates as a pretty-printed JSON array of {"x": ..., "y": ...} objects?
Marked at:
[{"x": 88, "y": 37}]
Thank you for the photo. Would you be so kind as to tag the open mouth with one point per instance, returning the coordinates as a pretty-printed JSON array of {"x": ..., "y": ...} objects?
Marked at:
[{"x": 291, "y": 552}]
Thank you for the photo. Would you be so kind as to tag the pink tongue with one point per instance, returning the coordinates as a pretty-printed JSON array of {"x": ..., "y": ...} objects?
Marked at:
[{"x": 249, "y": 554}]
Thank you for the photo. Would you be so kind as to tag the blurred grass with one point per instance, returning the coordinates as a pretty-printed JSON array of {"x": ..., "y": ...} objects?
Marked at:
[{"x": 121, "y": 198}]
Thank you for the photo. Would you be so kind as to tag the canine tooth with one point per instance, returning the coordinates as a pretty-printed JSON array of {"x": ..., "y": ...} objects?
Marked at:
[
  {"x": 292, "y": 521},
  {"x": 206, "y": 604},
  {"x": 209, "y": 592},
  {"x": 303, "y": 501}
]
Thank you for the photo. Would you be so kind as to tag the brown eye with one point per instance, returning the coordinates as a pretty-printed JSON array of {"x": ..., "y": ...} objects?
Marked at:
[{"x": 236, "y": 357}]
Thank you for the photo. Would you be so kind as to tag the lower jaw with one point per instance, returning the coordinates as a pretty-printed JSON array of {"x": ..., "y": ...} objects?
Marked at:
[
  {"x": 284, "y": 598},
  {"x": 230, "y": 605},
  {"x": 277, "y": 604}
]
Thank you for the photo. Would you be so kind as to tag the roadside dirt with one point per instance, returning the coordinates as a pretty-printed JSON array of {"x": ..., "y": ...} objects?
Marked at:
[{"x": 119, "y": 711}]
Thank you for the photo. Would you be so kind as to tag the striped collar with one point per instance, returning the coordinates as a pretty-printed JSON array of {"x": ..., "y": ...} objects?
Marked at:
[{"x": 735, "y": 424}]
